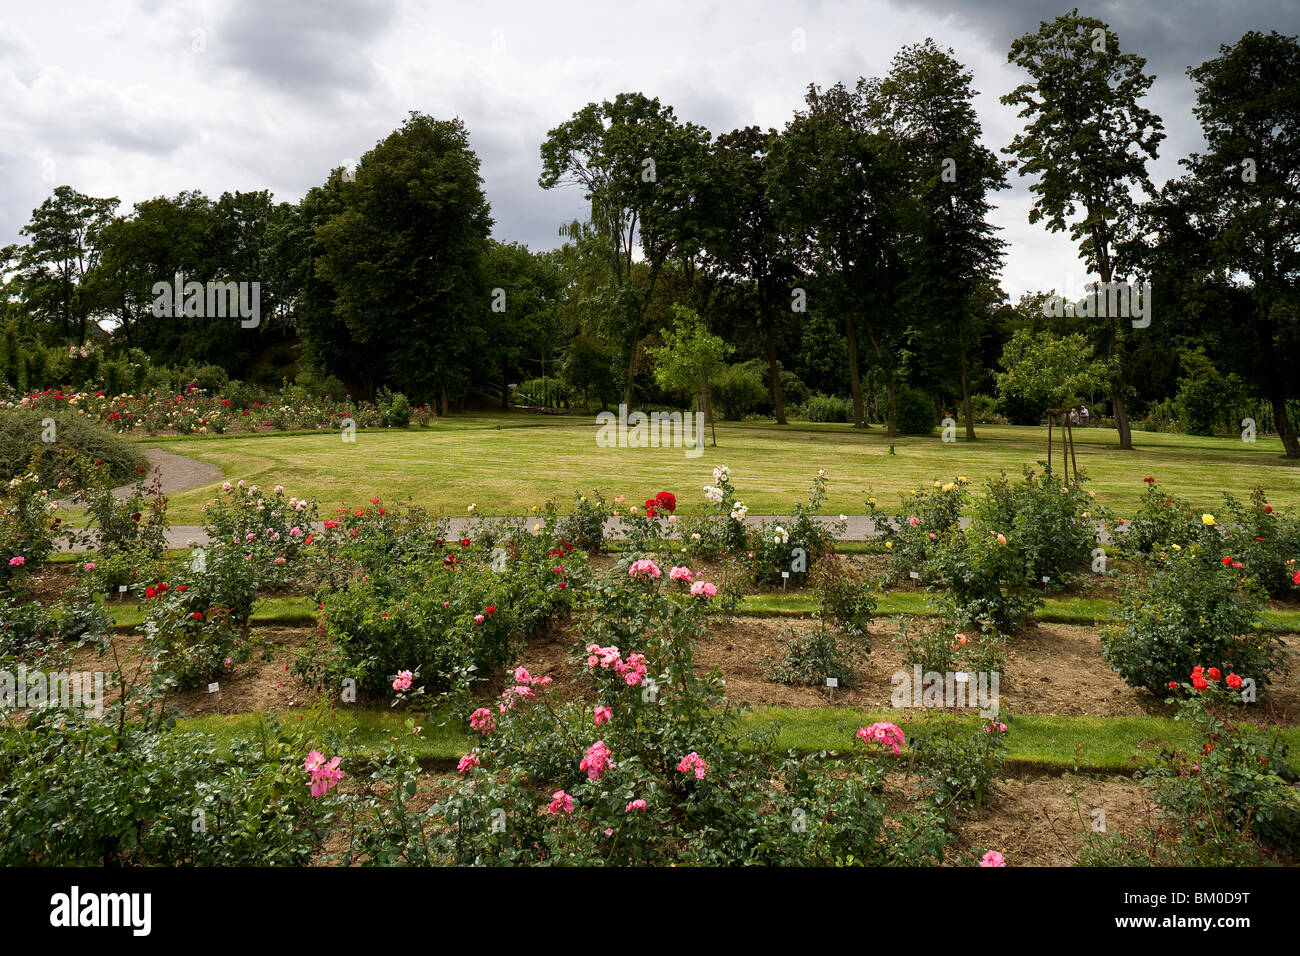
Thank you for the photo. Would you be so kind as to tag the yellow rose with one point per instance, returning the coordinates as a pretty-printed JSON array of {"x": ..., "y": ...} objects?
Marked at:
[
  {"x": 1207, "y": 519},
  {"x": 949, "y": 487},
  {"x": 889, "y": 544}
]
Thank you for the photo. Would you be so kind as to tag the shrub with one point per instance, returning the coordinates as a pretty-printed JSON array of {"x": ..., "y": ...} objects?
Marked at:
[
  {"x": 585, "y": 525},
  {"x": 926, "y": 515},
  {"x": 1051, "y": 523},
  {"x": 1229, "y": 799},
  {"x": 844, "y": 596},
  {"x": 1185, "y": 608},
  {"x": 77, "y": 443},
  {"x": 1266, "y": 542},
  {"x": 78, "y": 792},
  {"x": 935, "y": 646},
  {"x": 452, "y": 618},
  {"x": 270, "y": 528},
  {"x": 1161, "y": 521},
  {"x": 136, "y": 522},
  {"x": 662, "y": 778},
  {"x": 809, "y": 659},
  {"x": 27, "y": 531},
  {"x": 774, "y": 548},
  {"x": 738, "y": 390},
  {"x": 394, "y": 408},
  {"x": 828, "y": 408},
  {"x": 913, "y": 411},
  {"x": 980, "y": 578},
  {"x": 963, "y": 767}
]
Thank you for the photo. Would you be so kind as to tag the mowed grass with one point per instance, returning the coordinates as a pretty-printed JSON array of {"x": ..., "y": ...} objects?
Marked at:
[
  {"x": 505, "y": 464},
  {"x": 1107, "y": 744}
]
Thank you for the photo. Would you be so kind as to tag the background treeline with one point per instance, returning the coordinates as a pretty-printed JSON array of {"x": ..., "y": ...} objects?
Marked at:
[{"x": 842, "y": 268}]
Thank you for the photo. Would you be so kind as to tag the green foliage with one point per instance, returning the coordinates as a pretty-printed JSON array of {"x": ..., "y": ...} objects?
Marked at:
[
  {"x": 1044, "y": 370},
  {"x": 136, "y": 522},
  {"x": 844, "y": 596},
  {"x": 828, "y": 408},
  {"x": 1204, "y": 395},
  {"x": 76, "y": 791},
  {"x": 738, "y": 391},
  {"x": 76, "y": 446},
  {"x": 1230, "y": 799},
  {"x": 808, "y": 659},
  {"x": 1052, "y": 524},
  {"x": 452, "y": 612},
  {"x": 1186, "y": 607},
  {"x": 584, "y": 526},
  {"x": 27, "y": 530},
  {"x": 914, "y": 412}
]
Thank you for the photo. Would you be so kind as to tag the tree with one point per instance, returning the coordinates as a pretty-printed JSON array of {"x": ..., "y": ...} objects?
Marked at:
[
  {"x": 745, "y": 241},
  {"x": 837, "y": 185},
  {"x": 1051, "y": 371},
  {"x": 404, "y": 255},
  {"x": 1088, "y": 140},
  {"x": 55, "y": 266},
  {"x": 641, "y": 171},
  {"x": 690, "y": 358},
  {"x": 526, "y": 335},
  {"x": 926, "y": 103},
  {"x": 1241, "y": 204}
]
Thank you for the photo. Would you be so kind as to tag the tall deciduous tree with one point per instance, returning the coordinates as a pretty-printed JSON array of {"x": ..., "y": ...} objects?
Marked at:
[
  {"x": 1087, "y": 141},
  {"x": 404, "y": 258},
  {"x": 926, "y": 101},
  {"x": 55, "y": 267},
  {"x": 745, "y": 241},
  {"x": 640, "y": 169},
  {"x": 1242, "y": 198},
  {"x": 837, "y": 185}
]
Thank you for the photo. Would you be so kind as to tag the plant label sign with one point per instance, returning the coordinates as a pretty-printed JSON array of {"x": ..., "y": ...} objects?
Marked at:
[
  {"x": 914, "y": 575},
  {"x": 214, "y": 687},
  {"x": 832, "y": 682},
  {"x": 961, "y": 677}
]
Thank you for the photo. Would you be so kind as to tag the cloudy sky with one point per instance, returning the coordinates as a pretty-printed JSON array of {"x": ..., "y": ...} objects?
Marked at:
[{"x": 138, "y": 98}]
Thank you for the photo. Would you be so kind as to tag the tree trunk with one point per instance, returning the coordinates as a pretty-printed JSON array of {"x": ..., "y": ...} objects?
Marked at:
[
  {"x": 891, "y": 399},
  {"x": 706, "y": 406},
  {"x": 1121, "y": 422},
  {"x": 1285, "y": 430},
  {"x": 631, "y": 369},
  {"x": 778, "y": 400},
  {"x": 505, "y": 386},
  {"x": 965, "y": 392},
  {"x": 443, "y": 393},
  {"x": 855, "y": 377}
]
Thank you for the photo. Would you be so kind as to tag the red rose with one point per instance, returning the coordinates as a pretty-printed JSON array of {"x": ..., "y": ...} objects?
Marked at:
[
  {"x": 464, "y": 542},
  {"x": 1214, "y": 673},
  {"x": 1149, "y": 481},
  {"x": 1268, "y": 509},
  {"x": 490, "y": 610},
  {"x": 181, "y": 588},
  {"x": 1200, "y": 683},
  {"x": 197, "y": 616},
  {"x": 1234, "y": 681},
  {"x": 149, "y": 592},
  {"x": 1226, "y": 561},
  {"x": 563, "y": 585},
  {"x": 374, "y": 501},
  {"x": 1173, "y": 685},
  {"x": 667, "y": 501}
]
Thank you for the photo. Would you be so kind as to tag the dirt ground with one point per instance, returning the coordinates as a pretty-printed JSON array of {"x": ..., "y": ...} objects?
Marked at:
[
  {"x": 1041, "y": 820},
  {"x": 1051, "y": 669}
]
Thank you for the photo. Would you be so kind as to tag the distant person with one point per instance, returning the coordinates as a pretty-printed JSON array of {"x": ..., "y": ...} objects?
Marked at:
[
  {"x": 1083, "y": 413},
  {"x": 1074, "y": 416}
]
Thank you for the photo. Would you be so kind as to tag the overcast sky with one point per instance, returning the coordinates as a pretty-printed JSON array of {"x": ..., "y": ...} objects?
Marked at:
[{"x": 139, "y": 98}]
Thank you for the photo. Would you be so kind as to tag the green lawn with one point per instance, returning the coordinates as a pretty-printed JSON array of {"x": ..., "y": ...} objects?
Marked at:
[
  {"x": 507, "y": 463},
  {"x": 1042, "y": 742}
]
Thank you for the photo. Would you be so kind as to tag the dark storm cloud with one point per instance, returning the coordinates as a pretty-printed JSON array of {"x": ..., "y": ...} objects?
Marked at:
[
  {"x": 309, "y": 49},
  {"x": 1171, "y": 34}
]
